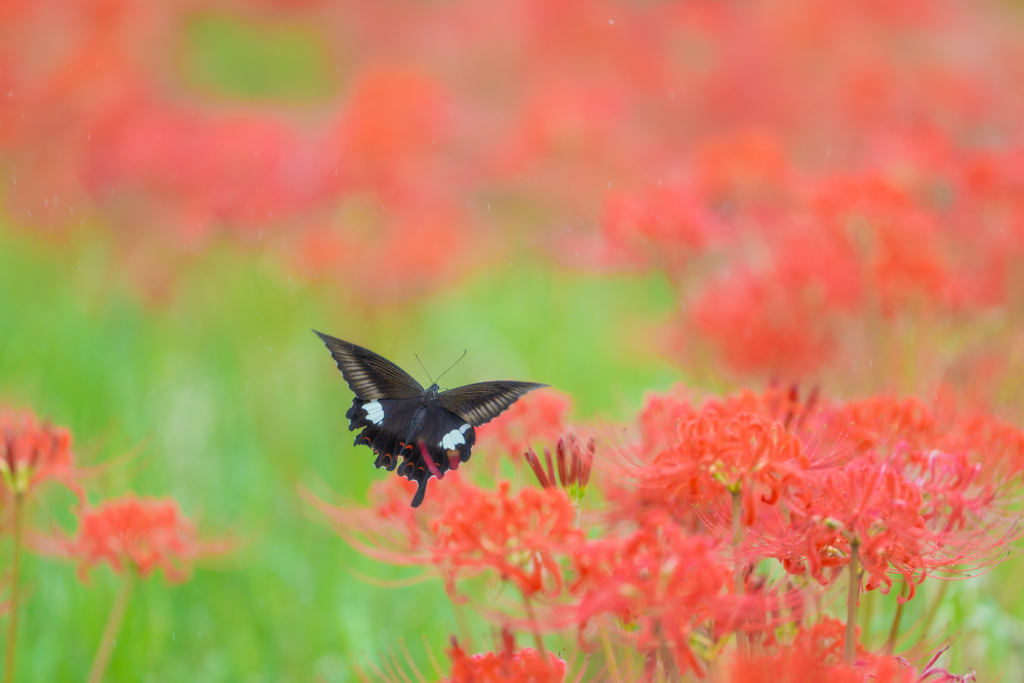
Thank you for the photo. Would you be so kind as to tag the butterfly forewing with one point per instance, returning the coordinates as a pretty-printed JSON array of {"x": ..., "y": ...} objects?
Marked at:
[
  {"x": 480, "y": 403},
  {"x": 370, "y": 376}
]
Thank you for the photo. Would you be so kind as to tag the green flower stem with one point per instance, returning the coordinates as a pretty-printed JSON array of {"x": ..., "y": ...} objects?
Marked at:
[
  {"x": 737, "y": 550},
  {"x": 609, "y": 655},
  {"x": 106, "y": 648},
  {"x": 894, "y": 632},
  {"x": 533, "y": 622},
  {"x": 12, "y": 620},
  {"x": 850, "y": 646},
  {"x": 866, "y": 616},
  {"x": 929, "y": 616}
]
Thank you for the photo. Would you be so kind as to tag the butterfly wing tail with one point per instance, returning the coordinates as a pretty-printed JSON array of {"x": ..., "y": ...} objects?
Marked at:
[{"x": 420, "y": 492}]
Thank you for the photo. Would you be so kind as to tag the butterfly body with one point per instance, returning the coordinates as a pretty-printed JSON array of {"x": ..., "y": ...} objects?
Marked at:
[{"x": 431, "y": 430}]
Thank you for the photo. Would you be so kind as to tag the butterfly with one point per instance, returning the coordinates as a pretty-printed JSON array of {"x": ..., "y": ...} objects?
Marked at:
[{"x": 432, "y": 430}]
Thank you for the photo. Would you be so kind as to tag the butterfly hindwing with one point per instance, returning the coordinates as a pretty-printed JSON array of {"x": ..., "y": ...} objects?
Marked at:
[
  {"x": 368, "y": 375},
  {"x": 385, "y": 440},
  {"x": 394, "y": 428},
  {"x": 480, "y": 403}
]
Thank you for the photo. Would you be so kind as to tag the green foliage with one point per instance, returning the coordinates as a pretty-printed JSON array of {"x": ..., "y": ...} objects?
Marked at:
[{"x": 251, "y": 60}]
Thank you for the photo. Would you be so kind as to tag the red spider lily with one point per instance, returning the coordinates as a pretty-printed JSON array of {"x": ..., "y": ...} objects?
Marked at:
[
  {"x": 932, "y": 674},
  {"x": 525, "y": 666},
  {"x": 996, "y": 446},
  {"x": 573, "y": 475},
  {"x": 141, "y": 534},
  {"x": 909, "y": 526},
  {"x": 468, "y": 530},
  {"x": 660, "y": 417},
  {"x": 538, "y": 416},
  {"x": 662, "y": 228},
  {"x": 395, "y": 117},
  {"x": 662, "y": 413},
  {"x": 882, "y": 425},
  {"x": 816, "y": 656},
  {"x": 517, "y": 536},
  {"x": 783, "y": 311},
  {"x": 777, "y": 318},
  {"x": 659, "y": 581},
  {"x": 32, "y": 452},
  {"x": 867, "y": 425},
  {"x": 743, "y": 454}
]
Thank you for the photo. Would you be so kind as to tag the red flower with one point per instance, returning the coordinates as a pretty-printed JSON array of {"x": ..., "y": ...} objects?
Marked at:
[
  {"x": 139, "y": 534},
  {"x": 659, "y": 581},
  {"x": 779, "y": 317},
  {"x": 519, "y": 536},
  {"x": 816, "y": 656},
  {"x": 32, "y": 452},
  {"x": 466, "y": 530},
  {"x": 573, "y": 472},
  {"x": 526, "y": 666},
  {"x": 660, "y": 417},
  {"x": 662, "y": 228},
  {"x": 913, "y": 527},
  {"x": 888, "y": 424},
  {"x": 713, "y": 455},
  {"x": 395, "y": 116}
]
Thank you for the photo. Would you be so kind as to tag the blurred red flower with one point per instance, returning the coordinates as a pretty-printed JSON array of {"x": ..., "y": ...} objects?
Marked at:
[
  {"x": 32, "y": 452},
  {"x": 525, "y": 666},
  {"x": 137, "y": 534},
  {"x": 395, "y": 117}
]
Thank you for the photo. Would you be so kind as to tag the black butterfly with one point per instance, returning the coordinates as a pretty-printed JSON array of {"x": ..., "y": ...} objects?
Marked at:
[{"x": 431, "y": 429}]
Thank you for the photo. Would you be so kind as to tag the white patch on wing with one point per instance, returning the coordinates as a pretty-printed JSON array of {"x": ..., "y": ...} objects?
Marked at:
[
  {"x": 374, "y": 412},
  {"x": 453, "y": 438}
]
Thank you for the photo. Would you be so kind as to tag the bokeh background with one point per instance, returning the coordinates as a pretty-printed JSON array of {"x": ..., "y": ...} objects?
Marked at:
[{"x": 610, "y": 197}]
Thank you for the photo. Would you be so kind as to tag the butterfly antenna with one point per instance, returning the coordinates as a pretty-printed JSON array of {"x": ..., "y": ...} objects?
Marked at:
[
  {"x": 425, "y": 369},
  {"x": 452, "y": 366}
]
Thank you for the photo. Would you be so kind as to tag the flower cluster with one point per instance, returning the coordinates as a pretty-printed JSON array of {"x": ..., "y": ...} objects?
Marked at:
[
  {"x": 135, "y": 536},
  {"x": 865, "y": 189},
  {"x": 466, "y": 530},
  {"x": 816, "y": 656},
  {"x": 659, "y": 581},
  {"x": 719, "y": 524}
]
